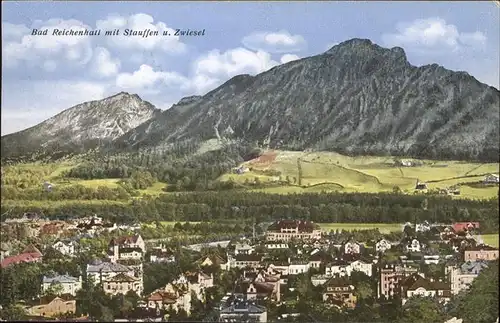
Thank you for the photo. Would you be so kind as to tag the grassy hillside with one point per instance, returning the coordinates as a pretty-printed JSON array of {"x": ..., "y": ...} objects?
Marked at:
[
  {"x": 286, "y": 172},
  {"x": 328, "y": 171},
  {"x": 34, "y": 174},
  {"x": 491, "y": 239}
]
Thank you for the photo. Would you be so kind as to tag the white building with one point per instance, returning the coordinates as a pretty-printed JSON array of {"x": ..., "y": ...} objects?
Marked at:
[
  {"x": 62, "y": 284},
  {"x": 491, "y": 179},
  {"x": 243, "y": 249},
  {"x": 382, "y": 246},
  {"x": 462, "y": 277},
  {"x": 276, "y": 245},
  {"x": 413, "y": 245},
  {"x": 351, "y": 247},
  {"x": 67, "y": 248},
  {"x": 104, "y": 272},
  {"x": 343, "y": 268}
]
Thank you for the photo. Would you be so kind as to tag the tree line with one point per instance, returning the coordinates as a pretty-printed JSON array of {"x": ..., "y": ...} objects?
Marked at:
[
  {"x": 182, "y": 166},
  {"x": 262, "y": 207}
]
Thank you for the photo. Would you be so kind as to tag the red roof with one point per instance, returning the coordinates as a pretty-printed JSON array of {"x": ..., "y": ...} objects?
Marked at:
[
  {"x": 124, "y": 240},
  {"x": 462, "y": 226},
  {"x": 23, "y": 257}
]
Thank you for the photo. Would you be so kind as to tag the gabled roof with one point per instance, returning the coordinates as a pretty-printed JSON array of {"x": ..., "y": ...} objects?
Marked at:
[
  {"x": 165, "y": 297},
  {"x": 415, "y": 281},
  {"x": 107, "y": 267},
  {"x": 131, "y": 239},
  {"x": 50, "y": 298},
  {"x": 473, "y": 266},
  {"x": 23, "y": 257},
  {"x": 32, "y": 250},
  {"x": 303, "y": 226},
  {"x": 337, "y": 281},
  {"x": 60, "y": 279},
  {"x": 482, "y": 247}
]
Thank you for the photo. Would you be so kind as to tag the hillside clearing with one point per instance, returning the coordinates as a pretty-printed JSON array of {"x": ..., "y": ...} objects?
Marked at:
[{"x": 329, "y": 171}]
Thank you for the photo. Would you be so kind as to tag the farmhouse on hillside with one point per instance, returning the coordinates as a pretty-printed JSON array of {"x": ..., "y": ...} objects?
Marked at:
[{"x": 491, "y": 179}]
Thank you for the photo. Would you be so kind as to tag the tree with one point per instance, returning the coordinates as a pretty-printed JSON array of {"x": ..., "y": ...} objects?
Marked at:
[
  {"x": 422, "y": 310},
  {"x": 54, "y": 289},
  {"x": 425, "y": 204},
  {"x": 364, "y": 291},
  {"x": 13, "y": 313}
]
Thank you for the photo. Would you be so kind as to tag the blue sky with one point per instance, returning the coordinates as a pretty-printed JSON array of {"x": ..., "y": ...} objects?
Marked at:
[{"x": 43, "y": 75}]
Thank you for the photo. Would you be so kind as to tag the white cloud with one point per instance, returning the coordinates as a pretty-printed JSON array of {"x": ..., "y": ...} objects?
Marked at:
[
  {"x": 288, "y": 58},
  {"x": 233, "y": 62},
  {"x": 103, "y": 64},
  {"x": 23, "y": 46},
  {"x": 433, "y": 35},
  {"x": 50, "y": 66},
  {"x": 140, "y": 22},
  {"x": 275, "y": 42},
  {"x": 146, "y": 78}
]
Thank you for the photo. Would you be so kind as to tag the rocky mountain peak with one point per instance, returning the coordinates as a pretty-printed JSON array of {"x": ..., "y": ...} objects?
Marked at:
[
  {"x": 102, "y": 120},
  {"x": 356, "y": 98},
  {"x": 365, "y": 50}
]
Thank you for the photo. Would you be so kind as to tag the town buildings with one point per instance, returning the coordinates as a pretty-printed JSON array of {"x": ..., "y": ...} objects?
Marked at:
[{"x": 286, "y": 230}]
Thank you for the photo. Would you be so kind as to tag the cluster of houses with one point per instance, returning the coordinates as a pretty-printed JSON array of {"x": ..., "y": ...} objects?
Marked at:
[
  {"x": 33, "y": 225},
  {"x": 289, "y": 248},
  {"x": 266, "y": 278}
]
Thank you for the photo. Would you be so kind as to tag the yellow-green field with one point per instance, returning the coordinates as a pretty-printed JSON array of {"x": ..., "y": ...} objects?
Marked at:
[
  {"x": 491, "y": 239},
  {"x": 321, "y": 171},
  {"x": 329, "y": 171},
  {"x": 382, "y": 227},
  {"x": 35, "y": 173}
]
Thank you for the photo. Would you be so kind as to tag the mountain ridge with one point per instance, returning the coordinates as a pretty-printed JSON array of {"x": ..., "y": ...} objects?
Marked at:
[
  {"x": 355, "y": 98},
  {"x": 81, "y": 127},
  {"x": 375, "y": 102}
]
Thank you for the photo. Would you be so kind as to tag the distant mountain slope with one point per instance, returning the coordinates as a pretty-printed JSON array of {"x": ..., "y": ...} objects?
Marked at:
[
  {"x": 81, "y": 127},
  {"x": 356, "y": 98}
]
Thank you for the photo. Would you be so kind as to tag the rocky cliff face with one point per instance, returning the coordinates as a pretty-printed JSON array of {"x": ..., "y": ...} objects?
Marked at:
[
  {"x": 356, "y": 98},
  {"x": 81, "y": 127}
]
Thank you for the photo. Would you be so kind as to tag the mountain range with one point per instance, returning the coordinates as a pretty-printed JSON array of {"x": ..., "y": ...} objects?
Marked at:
[{"x": 356, "y": 98}]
